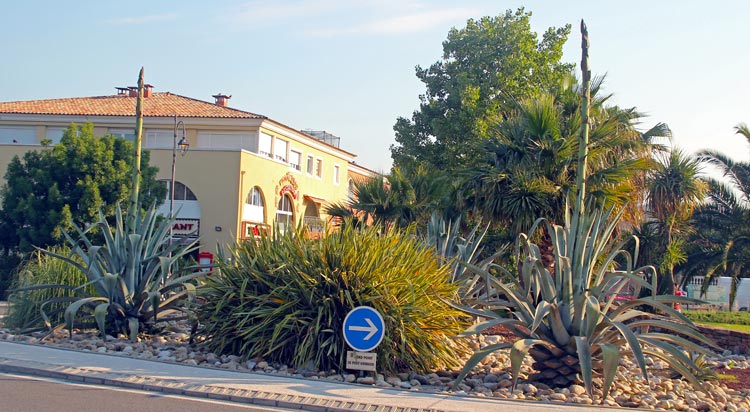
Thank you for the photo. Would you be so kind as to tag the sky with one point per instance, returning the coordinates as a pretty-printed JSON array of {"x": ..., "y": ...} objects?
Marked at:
[{"x": 348, "y": 66}]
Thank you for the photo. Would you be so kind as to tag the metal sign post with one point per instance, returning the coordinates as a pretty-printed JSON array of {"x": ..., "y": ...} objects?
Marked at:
[{"x": 364, "y": 329}]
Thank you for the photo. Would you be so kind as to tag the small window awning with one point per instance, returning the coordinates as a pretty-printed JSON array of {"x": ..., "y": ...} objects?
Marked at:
[{"x": 314, "y": 199}]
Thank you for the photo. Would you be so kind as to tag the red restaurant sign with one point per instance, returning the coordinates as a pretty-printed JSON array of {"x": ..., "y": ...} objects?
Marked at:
[{"x": 186, "y": 227}]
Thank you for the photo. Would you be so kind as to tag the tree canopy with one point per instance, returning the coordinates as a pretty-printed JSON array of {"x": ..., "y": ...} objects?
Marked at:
[
  {"x": 48, "y": 190},
  {"x": 485, "y": 66}
]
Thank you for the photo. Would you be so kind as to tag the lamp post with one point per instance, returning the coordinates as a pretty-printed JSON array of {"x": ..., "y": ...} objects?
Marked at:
[{"x": 183, "y": 146}]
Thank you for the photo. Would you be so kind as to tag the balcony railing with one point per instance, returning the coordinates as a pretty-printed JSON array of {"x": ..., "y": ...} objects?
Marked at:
[{"x": 314, "y": 224}]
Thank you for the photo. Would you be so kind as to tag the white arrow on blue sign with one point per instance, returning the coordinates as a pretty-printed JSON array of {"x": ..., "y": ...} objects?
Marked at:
[{"x": 364, "y": 328}]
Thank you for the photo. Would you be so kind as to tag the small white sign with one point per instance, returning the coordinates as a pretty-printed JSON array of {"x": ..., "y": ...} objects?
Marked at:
[{"x": 363, "y": 361}]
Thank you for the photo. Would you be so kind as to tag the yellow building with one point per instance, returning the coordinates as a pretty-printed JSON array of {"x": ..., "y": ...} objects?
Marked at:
[{"x": 244, "y": 173}]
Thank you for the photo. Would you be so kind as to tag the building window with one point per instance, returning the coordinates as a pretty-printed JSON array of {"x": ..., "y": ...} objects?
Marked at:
[
  {"x": 295, "y": 160},
  {"x": 264, "y": 145},
  {"x": 159, "y": 139},
  {"x": 319, "y": 168},
  {"x": 18, "y": 135},
  {"x": 284, "y": 214},
  {"x": 55, "y": 134},
  {"x": 279, "y": 150},
  {"x": 127, "y": 134},
  {"x": 336, "y": 174},
  {"x": 310, "y": 165},
  {"x": 254, "y": 206},
  {"x": 231, "y": 141},
  {"x": 181, "y": 192}
]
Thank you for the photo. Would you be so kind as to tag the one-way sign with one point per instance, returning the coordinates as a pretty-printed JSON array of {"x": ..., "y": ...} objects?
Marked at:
[{"x": 364, "y": 328}]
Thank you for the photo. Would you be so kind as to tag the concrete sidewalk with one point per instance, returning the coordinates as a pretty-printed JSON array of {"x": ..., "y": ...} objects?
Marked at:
[{"x": 251, "y": 388}]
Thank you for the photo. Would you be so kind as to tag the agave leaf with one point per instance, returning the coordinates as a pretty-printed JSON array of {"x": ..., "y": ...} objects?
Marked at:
[
  {"x": 518, "y": 352},
  {"x": 481, "y": 326},
  {"x": 677, "y": 366},
  {"x": 611, "y": 358},
  {"x": 635, "y": 347},
  {"x": 687, "y": 331},
  {"x": 559, "y": 331},
  {"x": 584, "y": 358},
  {"x": 593, "y": 316},
  {"x": 100, "y": 314},
  {"x": 72, "y": 310},
  {"x": 542, "y": 309},
  {"x": 133, "y": 326},
  {"x": 476, "y": 358},
  {"x": 676, "y": 340}
]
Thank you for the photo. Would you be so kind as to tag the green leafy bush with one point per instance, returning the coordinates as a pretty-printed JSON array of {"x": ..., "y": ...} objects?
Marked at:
[
  {"x": 732, "y": 318},
  {"x": 285, "y": 299},
  {"x": 35, "y": 279}
]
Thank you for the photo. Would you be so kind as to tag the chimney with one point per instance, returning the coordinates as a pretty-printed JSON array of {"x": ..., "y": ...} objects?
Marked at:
[
  {"x": 147, "y": 90},
  {"x": 221, "y": 99},
  {"x": 133, "y": 91},
  {"x": 122, "y": 91}
]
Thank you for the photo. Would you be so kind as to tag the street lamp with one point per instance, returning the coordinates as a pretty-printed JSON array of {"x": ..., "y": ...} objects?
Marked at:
[{"x": 183, "y": 146}]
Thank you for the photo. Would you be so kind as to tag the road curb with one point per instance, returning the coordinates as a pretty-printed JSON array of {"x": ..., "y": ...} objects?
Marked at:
[{"x": 174, "y": 387}]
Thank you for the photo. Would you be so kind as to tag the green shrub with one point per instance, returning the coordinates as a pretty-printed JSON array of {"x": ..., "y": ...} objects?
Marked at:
[
  {"x": 732, "y": 318},
  {"x": 25, "y": 306},
  {"x": 285, "y": 299}
]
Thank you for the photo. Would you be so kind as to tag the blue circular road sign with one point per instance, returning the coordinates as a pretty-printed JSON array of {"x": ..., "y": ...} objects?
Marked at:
[{"x": 364, "y": 328}]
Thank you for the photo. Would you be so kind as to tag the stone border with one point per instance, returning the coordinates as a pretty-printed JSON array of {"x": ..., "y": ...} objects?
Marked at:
[{"x": 175, "y": 387}]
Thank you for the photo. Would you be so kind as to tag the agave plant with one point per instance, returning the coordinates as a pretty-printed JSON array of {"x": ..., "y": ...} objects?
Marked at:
[
  {"x": 573, "y": 324},
  {"x": 457, "y": 251},
  {"x": 134, "y": 274}
]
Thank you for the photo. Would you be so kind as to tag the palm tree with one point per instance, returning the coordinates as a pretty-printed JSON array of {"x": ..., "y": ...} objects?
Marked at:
[
  {"x": 398, "y": 199},
  {"x": 531, "y": 161},
  {"x": 722, "y": 241},
  {"x": 674, "y": 191}
]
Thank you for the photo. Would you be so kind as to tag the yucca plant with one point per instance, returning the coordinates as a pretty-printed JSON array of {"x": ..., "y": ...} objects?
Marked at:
[
  {"x": 284, "y": 298},
  {"x": 573, "y": 324},
  {"x": 135, "y": 274}
]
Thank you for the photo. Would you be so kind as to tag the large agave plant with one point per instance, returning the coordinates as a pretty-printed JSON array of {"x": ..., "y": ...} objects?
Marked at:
[
  {"x": 573, "y": 324},
  {"x": 458, "y": 252},
  {"x": 135, "y": 273}
]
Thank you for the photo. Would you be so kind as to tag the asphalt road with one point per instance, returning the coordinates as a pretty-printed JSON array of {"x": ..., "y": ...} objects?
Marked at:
[{"x": 29, "y": 394}]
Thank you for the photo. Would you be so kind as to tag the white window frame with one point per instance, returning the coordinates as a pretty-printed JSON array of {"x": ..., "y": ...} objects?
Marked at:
[
  {"x": 264, "y": 150},
  {"x": 295, "y": 166},
  {"x": 318, "y": 168},
  {"x": 218, "y": 140},
  {"x": 158, "y": 139},
  {"x": 278, "y": 153},
  {"x": 288, "y": 214},
  {"x": 310, "y": 165},
  {"x": 336, "y": 174},
  {"x": 25, "y": 135},
  {"x": 127, "y": 134},
  {"x": 55, "y": 134}
]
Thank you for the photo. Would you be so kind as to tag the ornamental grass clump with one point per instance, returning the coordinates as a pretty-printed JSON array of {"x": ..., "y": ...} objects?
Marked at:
[
  {"x": 284, "y": 298},
  {"x": 45, "y": 281}
]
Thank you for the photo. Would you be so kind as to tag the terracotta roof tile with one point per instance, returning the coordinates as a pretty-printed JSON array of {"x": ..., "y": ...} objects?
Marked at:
[{"x": 157, "y": 105}]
